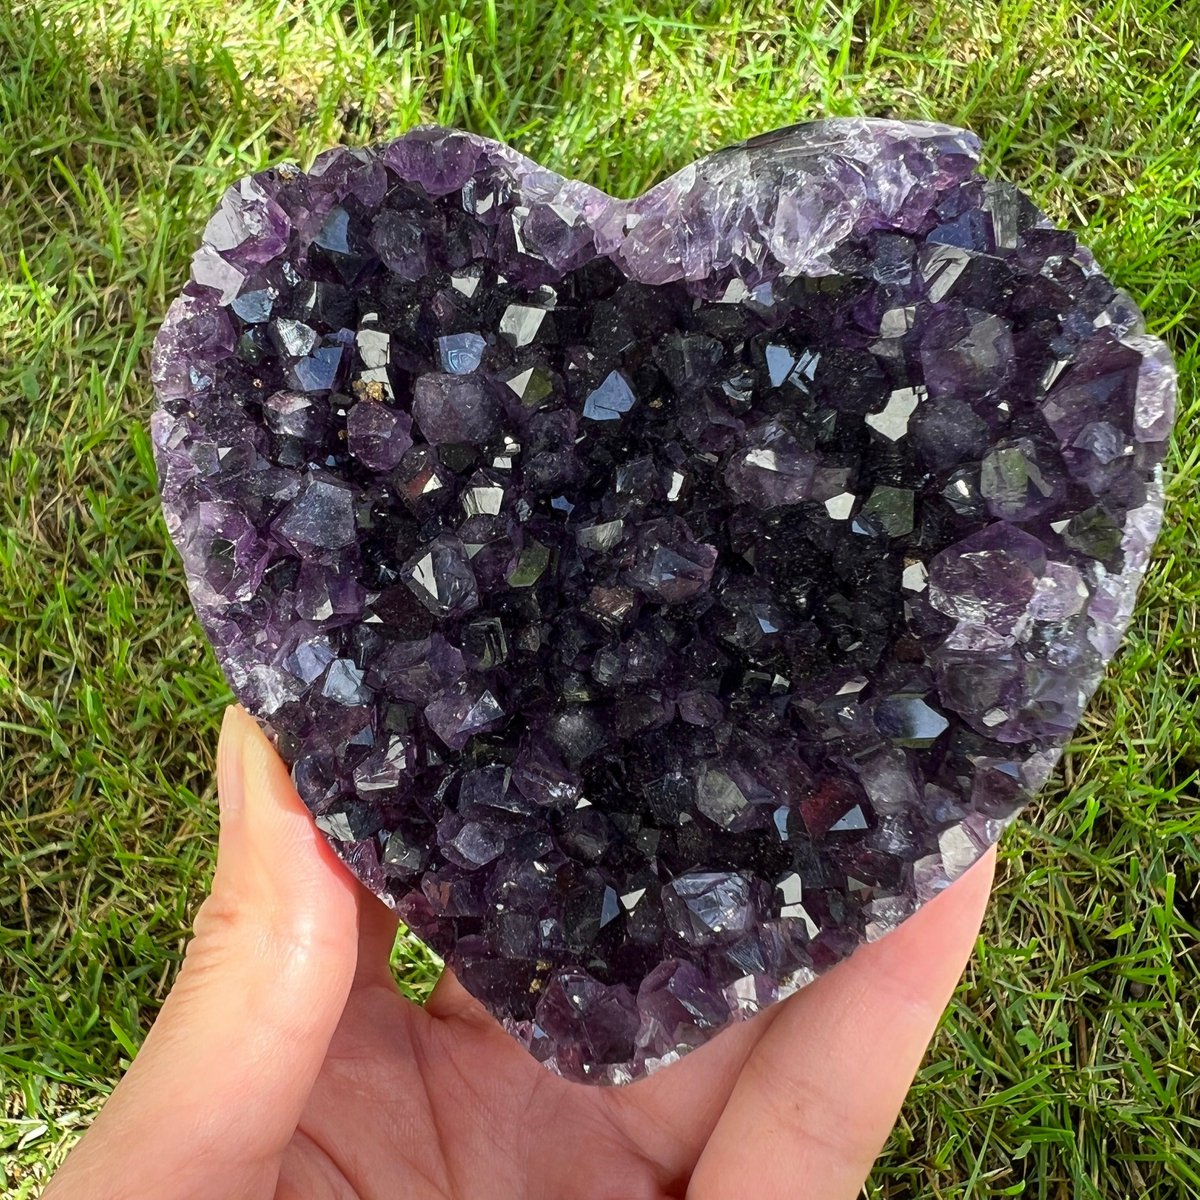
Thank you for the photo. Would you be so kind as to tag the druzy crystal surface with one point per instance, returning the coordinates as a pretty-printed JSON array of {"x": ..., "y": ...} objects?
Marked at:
[{"x": 657, "y": 599}]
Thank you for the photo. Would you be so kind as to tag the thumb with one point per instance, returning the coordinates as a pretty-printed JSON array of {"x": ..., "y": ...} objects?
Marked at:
[
  {"x": 822, "y": 1089},
  {"x": 214, "y": 1096}
]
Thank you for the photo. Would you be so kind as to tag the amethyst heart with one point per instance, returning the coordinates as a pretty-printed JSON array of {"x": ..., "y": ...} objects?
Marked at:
[{"x": 657, "y": 599}]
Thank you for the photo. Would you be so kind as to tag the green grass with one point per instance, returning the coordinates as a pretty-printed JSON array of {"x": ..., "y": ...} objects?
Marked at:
[{"x": 1068, "y": 1066}]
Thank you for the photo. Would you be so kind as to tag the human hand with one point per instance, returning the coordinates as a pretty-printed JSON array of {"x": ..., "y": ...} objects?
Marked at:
[{"x": 285, "y": 1063}]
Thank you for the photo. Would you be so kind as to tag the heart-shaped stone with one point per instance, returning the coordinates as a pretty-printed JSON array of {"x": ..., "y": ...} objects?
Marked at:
[{"x": 656, "y": 599}]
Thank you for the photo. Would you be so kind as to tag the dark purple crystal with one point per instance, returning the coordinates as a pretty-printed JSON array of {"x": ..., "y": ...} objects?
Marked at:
[{"x": 656, "y": 599}]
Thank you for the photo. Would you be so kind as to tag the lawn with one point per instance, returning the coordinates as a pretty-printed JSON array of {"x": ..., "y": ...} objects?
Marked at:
[{"x": 1069, "y": 1066}]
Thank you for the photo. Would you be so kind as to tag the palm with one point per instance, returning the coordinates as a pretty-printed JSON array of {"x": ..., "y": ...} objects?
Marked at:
[
  {"x": 416, "y": 1104},
  {"x": 420, "y": 1105},
  {"x": 440, "y": 1102}
]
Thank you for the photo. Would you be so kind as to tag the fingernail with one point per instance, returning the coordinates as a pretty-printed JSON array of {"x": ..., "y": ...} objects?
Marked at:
[{"x": 231, "y": 788}]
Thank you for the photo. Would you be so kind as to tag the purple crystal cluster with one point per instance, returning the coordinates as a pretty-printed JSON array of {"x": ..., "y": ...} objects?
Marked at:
[{"x": 656, "y": 599}]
